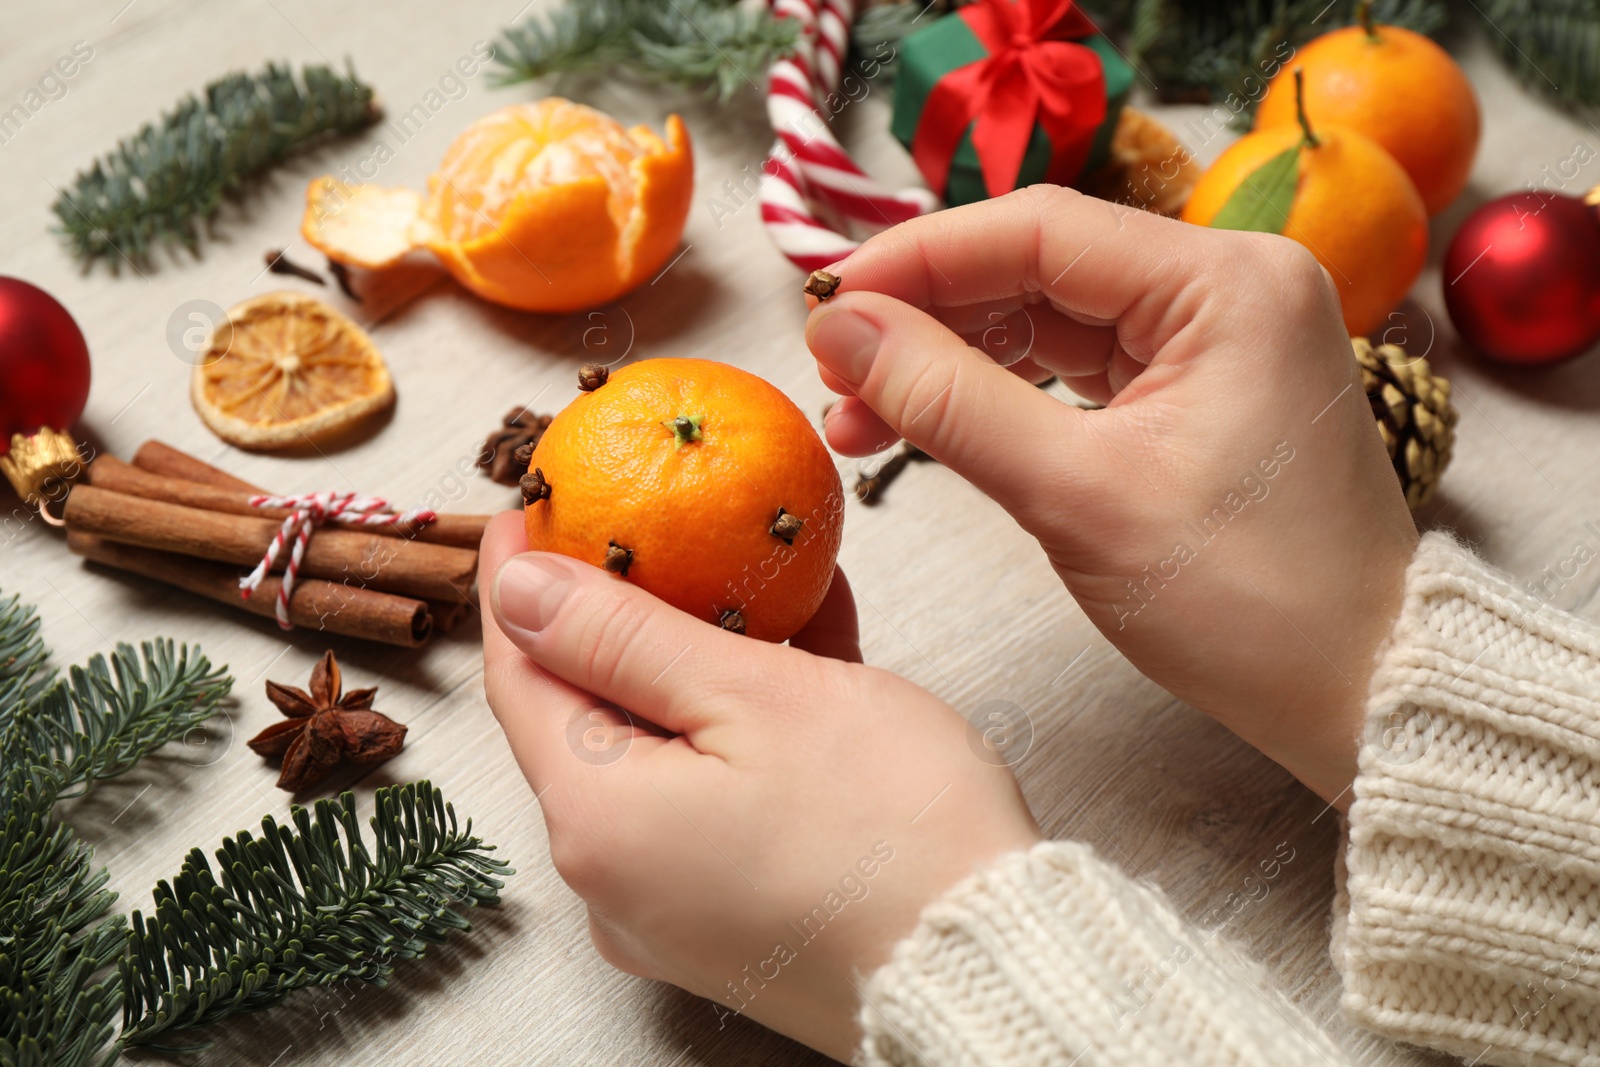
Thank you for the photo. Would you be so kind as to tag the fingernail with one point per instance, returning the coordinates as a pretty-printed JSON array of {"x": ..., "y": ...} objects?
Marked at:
[
  {"x": 529, "y": 590},
  {"x": 847, "y": 343}
]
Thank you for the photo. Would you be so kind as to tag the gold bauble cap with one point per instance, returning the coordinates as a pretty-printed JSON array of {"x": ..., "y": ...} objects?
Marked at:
[{"x": 38, "y": 459}]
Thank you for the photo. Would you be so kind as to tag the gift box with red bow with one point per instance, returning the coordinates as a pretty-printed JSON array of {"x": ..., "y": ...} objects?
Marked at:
[{"x": 1007, "y": 93}]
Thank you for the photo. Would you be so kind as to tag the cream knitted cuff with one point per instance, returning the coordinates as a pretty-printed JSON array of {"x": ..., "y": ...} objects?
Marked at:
[
  {"x": 1051, "y": 955},
  {"x": 1468, "y": 916}
]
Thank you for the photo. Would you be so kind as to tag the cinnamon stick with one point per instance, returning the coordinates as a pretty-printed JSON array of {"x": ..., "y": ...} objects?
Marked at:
[
  {"x": 354, "y": 556},
  {"x": 109, "y": 472},
  {"x": 446, "y": 617},
  {"x": 159, "y": 458},
  {"x": 230, "y": 494},
  {"x": 332, "y": 607}
]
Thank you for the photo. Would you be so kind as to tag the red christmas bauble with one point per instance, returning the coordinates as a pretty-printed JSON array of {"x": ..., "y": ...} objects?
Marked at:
[
  {"x": 44, "y": 362},
  {"x": 1522, "y": 278}
]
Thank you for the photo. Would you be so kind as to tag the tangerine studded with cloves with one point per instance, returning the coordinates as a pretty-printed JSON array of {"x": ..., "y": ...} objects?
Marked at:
[{"x": 698, "y": 482}]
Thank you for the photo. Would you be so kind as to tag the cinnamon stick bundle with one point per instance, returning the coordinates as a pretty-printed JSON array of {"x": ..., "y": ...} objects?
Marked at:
[
  {"x": 352, "y": 556},
  {"x": 160, "y": 458},
  {"x": 161, "y": 472},
  {"x": 332, "y": 607}
]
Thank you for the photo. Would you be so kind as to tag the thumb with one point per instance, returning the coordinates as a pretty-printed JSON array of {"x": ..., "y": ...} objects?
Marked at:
[
  {"x": 950, "y": 400},
  {"x": 612, "y": 639}
]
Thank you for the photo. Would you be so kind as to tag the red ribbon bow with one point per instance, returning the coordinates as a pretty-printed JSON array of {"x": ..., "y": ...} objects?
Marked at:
[{"x": 1035, "y": 73}]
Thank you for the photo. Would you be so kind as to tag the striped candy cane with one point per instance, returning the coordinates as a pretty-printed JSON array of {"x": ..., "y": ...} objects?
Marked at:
[
  {"x": 814, "y": 198},
  {"x": 308, "y": 511}
]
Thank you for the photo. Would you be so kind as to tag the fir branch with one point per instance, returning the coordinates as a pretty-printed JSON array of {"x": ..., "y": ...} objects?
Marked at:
[
  {"x": 691, "y": 42},
  {"x": 58, "y": 1000},
  {"x": 58, "y": 1004},
  {"x": 887, "y": 24},
  {"x": 698, "y": 42},
  {"x": 159, "y": 185},
  {"x": 24, "y": 674},
  {"x": 69, "y": 1020},
  {"x": 1553, "y": 46},
  {"x": 307, "y": 906},
  {"x": 105, "y": 718},
  {"x": 575, "y": 38},
  {"x": 295, "y": 907},
  {"x": 1214, "y": 49}
]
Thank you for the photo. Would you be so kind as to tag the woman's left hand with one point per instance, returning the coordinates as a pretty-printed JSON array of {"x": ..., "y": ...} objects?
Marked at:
[{"x": 761, "y": 823}]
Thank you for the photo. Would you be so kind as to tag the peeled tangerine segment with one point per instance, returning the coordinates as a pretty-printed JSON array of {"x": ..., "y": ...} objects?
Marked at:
[{"x": 361, "y": 225}]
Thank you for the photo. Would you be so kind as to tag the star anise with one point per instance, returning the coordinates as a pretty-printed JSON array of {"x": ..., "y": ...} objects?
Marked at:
[
  {"x": 325, "y": 727},
  {"x": 506, "y": 452}
]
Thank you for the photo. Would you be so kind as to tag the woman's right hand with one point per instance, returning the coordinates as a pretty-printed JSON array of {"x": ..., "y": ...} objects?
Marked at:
[{"x": 1230, "y": 520}]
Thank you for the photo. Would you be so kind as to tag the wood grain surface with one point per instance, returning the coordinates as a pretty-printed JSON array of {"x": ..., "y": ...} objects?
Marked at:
[{"x": 963, "y": 604}]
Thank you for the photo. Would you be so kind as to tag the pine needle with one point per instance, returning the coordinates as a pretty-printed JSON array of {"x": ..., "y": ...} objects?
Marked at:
[
  {"x": 1217, "y": 49},
  {"x": 878, "y": 30},
  {"x": 160, "y": 185},
  {"x": 106, "y": 717},
  {"x": 58, "y": 1000},
  {"x": 1552, "y": 45},
  {"x": 307, "y": 906},
  {"x": 24, "y": 675},
  {"x": 711, "y": 43}
]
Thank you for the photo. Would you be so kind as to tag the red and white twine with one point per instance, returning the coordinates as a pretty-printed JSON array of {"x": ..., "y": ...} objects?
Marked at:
[
  {"x": 308, "y": 511},
  {"x": 814, "y": 198}
]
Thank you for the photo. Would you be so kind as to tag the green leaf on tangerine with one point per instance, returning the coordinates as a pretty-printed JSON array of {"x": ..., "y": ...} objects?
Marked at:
[{"x": 1263, "y": 199}]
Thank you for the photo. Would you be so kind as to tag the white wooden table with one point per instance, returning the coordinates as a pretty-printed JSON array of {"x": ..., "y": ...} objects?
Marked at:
[{"x": 1115, "y": 761}]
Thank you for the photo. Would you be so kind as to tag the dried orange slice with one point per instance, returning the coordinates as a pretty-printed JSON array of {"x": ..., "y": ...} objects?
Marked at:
[
  {"x": 286, "y": 369},
  {"x": 544, "y": 206}
]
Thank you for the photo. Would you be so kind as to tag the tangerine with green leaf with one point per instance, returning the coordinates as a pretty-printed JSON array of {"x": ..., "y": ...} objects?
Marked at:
[
  {"x": 698, "y": 482},
  {"x": 1397, "y": 87},
  {"x": 1337, "y": 192}
]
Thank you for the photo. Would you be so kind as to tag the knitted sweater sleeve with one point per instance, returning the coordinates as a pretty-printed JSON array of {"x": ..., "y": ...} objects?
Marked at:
[
  {"x": 1468, "y": 913},
  {"x": 1468, "y": 909}
]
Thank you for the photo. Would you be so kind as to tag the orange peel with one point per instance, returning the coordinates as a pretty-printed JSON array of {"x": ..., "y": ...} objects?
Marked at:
[
  {"x": 545, "y": 206},
  {"x": 370, "y": 226}
]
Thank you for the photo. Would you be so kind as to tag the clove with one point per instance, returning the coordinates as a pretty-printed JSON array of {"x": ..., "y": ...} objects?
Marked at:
[
  {"x": 618, "y": 559},
  {"x": 821, "y": 284},
  {"x": 534, "y": 487},
  {"x": 786, "y": 527},
  {"x": 872, "y": 481},
  {"x": 341, "y": 274},
  {"x": 278, "y": 262}
]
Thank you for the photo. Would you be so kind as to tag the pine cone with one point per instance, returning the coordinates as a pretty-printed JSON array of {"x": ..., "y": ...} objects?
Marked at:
[
  {"x": 1414, "y": 413},
  {"x": 1146, "y": 168}
]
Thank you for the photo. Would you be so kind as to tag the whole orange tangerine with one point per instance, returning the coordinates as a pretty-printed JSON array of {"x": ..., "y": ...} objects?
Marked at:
[
  {"x": 1354, "y": 208},
  {"x": 1397, "y": 87},
  {"x": 698, "y": 482},
  {"x": 545, "y": 206}
]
